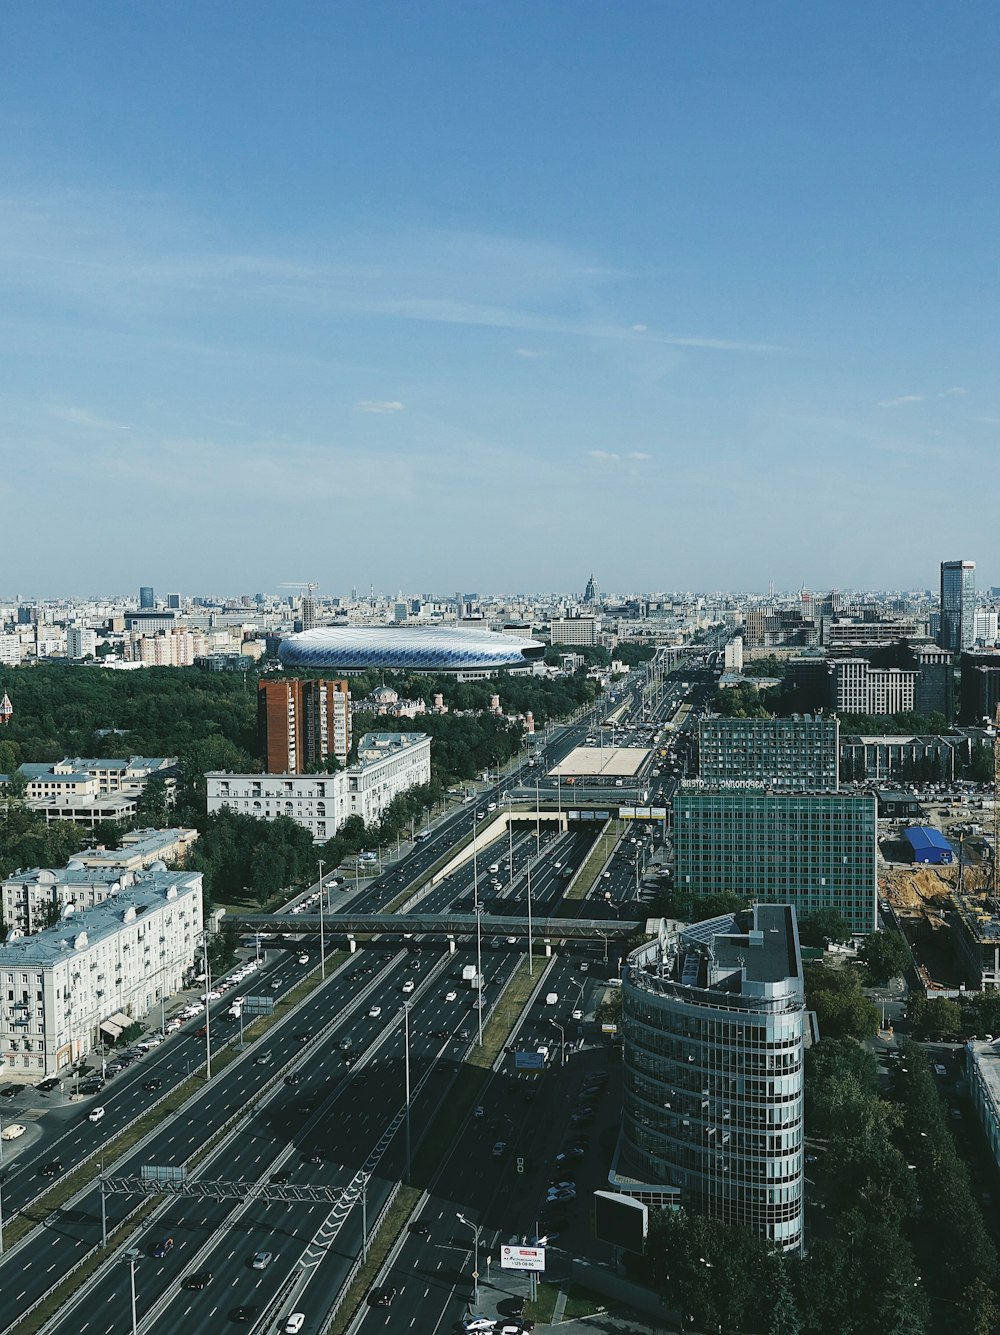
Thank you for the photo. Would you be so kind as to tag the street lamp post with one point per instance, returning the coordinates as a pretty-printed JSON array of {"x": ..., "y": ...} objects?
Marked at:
[
  {"x": 1, "y": 1197},
  {"x": 476, "y": 1230},
  {"x": 479, "y": 968},
  {"x": 562, "y": 1041},
  {"x": 406, "y": 1068},
  {"x": 208, "y": 1011},
  {"x": 322, "y": 931},
  {"x": 531, "y": 958},
  {"x": 131, "y": 1279}
]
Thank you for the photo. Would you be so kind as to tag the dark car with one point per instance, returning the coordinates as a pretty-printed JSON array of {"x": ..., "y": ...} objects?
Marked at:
[
  {"x": 382, "y": 1297},
  {"x": 162, "y": 1247},
  {"x": 292, "y": 1078},
  {"x": 46, "y": 1086},
  {"x": 279, "y": 1179},
  {"x": 52, "y": 1168},
  {"x": 304, "y": 1036},
  {"x": 246, "y": 1313},
  {"x": 91, "y": 1086},
  {"x": 8, "y": 1091},
  {"x": 153, "y": 1084},
  {"x": 199, "y": 1280},
  {"x": 311, "y": 1156},
  {"x": 421, "y": 1228},
  {"x": 200, "y": 1033}
]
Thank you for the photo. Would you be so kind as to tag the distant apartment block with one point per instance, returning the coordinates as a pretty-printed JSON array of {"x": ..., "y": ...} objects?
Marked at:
[
  {"x": 980, "y": 687},
  {"x": 81, "y": 642},
  {"x": 388, "y": 764},
  {"x": 939, "y": 758},
  {"x": 814, "y": 851},
  {"x": 95, "y": 971},
  {"x": 713, "y": 1028},
  {"x": 799, "y": 754},
  {"x": 302, "y": 722}
]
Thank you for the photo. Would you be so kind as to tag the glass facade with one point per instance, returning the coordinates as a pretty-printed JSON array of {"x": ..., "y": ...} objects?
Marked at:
[
  {"x": 793, "y": 754},
  {"x": 713, "y": 1038},
  {"x": 816, "y": 850},
  {"x": 958, "y": 605}
]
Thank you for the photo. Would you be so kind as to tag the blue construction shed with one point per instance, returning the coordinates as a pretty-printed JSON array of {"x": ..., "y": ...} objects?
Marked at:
[{"x": 929, "y": 845}]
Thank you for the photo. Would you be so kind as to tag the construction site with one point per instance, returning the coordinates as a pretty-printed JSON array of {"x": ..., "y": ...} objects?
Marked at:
[{"x": 950, "y": 914}]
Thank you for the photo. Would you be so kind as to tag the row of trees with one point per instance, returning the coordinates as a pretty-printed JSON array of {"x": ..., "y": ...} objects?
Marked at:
[{"x": 941, "y": 1019}]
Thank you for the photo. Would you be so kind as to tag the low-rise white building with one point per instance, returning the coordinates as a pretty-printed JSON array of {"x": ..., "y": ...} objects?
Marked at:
[
  {"x": 388, "y": 764},
  {"x": 90, "y": 791},
  {"x": 61, "y": 988}
]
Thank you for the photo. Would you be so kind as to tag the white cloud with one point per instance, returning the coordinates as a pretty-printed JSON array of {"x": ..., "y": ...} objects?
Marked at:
[
  {"x": 639, "y": 328},
  {"x": 602, "y": 454},
  {"x": 638, "y": 454},
  {"x": 903, "y": 398},
  {"x": 380, "y": 406},
  {"x": 81, "y": 417},
  {"x": 955, "y": 390},
  {"x": 530, "y": 352}
]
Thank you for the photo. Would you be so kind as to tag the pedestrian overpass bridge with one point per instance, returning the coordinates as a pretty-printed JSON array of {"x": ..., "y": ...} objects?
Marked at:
[{"x": 448, "y": 925}]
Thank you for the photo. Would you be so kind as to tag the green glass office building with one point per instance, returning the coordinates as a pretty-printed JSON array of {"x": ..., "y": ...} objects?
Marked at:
[
  {"x": 812, "y": 850},
  {"x": 797, "y": 754}
]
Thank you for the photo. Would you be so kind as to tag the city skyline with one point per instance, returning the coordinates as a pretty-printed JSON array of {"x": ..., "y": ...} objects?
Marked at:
[{"x": 352, "y": 293}]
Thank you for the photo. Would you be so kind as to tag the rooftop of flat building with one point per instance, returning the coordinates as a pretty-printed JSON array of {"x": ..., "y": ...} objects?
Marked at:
[{"x": 150, "y": 890}]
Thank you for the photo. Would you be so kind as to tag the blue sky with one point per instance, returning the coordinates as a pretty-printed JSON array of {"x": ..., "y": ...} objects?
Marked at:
[{"x": 464, "y": 295}]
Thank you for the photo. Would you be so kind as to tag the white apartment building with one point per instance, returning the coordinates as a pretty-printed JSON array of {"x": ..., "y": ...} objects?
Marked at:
[
  {"x": 574, "y": 630},
  {"x": 81, "y": 642},
  {"x": 10, "y": 650},
  {"x": 860, "y": 688},
  {"x": 388, "y": 764},
  {"x": 35, "y": 899},
  {"x": 95, "y": 972}
]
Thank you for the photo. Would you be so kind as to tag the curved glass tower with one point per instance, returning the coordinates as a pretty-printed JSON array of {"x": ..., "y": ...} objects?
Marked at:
[{"x": 713, "y": 1019}]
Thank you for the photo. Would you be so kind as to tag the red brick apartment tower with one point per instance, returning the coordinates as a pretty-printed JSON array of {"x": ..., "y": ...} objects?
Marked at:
[{"x": 302, "y": 722}]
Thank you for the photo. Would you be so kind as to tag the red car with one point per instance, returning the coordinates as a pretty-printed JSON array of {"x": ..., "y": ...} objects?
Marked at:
[{"x": 200, "y": 1033}]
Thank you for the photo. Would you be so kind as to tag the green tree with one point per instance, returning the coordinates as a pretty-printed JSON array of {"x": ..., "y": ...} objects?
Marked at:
[
  {"x": 816, "y": 929},
  {"x": 884, "y": 955},
  {"x": 842, "y": 1009}
]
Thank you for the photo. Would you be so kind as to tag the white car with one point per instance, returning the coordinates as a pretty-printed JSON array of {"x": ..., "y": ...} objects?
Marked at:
[
  {"x": 210, "y": 996},
  {"x": 95, "y": 1114},
  {"x": 12, "y": 1132},
  {"x": 374, "y": 1012},
  {"x": 303, "y": 959},
  {"x": 472, "y": 1324},
  {"x": 409, "y": 985},
  {"x": 578, "y": 1014},
  {"x": 295, "y": 1323},
  {"x": 451, "y": 996}
]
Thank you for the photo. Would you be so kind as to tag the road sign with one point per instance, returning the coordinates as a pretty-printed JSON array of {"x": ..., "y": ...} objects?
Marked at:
[
  {"x": 522, "y": 1258},
  {"x": 529, "y": 1061},
  {"x": 520, "y": 1165},
  {"x": 475, "y": 1274}
]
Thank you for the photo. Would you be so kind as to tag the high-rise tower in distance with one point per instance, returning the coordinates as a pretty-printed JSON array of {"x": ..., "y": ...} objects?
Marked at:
[
  {"x": 146, "y": 599},
  {"x": 958, "y": 605}
]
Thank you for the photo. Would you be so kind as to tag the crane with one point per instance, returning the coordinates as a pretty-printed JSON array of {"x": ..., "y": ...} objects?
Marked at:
[{"x": 308, "y": 585}]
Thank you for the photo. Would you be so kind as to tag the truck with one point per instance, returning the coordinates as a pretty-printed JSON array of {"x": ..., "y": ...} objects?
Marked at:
[
  {"x": 470, "y": 976},
  {"x": 236, "y": 1009}
]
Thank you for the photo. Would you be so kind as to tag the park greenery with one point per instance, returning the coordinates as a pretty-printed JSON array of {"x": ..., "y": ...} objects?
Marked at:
[
  {"x": 943, "y": 1019},
  {"x": 897, "y": 1242}
]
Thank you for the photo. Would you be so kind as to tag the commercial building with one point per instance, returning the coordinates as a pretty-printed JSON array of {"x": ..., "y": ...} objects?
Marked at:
[
  {"x": 417, "y": 648},
  {"x": 146, "y": 598},
  {"x": 814, "y": 851},
  {"x": 980, "y": 687},
  {"x": 792, "y": 754},
  {"x": 859, "y": 688},
  {"x": 388, "y": 764},
  {"x": 302, "y": 722},
  {"x": 958, "y": 605},
  {"x": 713, "y": 1029},
  {"x": 95, "y": 971},
  {"x": 925, "y": 756}
]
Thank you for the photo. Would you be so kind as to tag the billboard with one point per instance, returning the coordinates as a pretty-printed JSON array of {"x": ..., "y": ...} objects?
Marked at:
[
  {"x": 529, "y": 1061},
  {"x": 522, "y": 1258},
  {"x": 620, "y": 1220}
]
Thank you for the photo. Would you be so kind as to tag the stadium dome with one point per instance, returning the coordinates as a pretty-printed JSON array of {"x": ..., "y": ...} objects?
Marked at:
[{"x": 417, "y": 648}]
